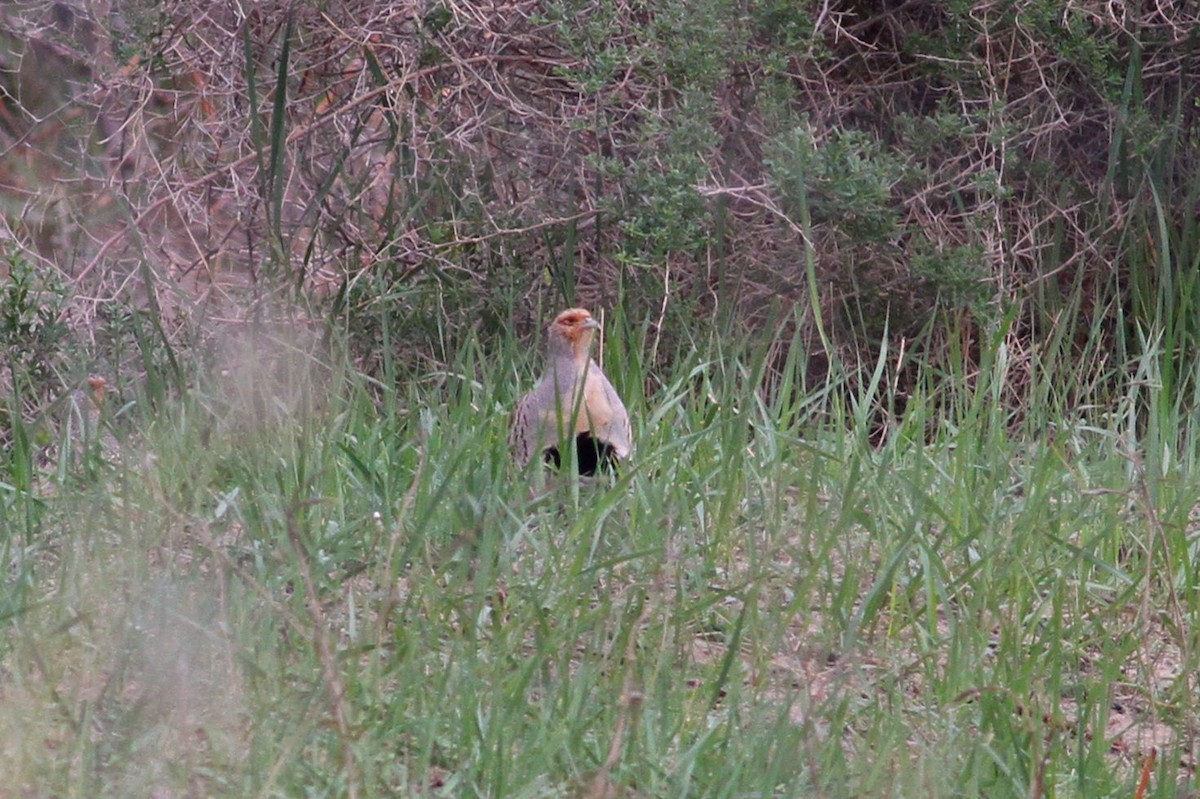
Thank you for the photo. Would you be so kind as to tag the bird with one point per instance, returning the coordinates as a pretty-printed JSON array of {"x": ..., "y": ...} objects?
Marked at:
[{"x": 573, "y": 398}]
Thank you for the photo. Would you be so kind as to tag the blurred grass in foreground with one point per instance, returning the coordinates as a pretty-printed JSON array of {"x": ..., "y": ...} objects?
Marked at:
[{"x": 299, "y": 581}]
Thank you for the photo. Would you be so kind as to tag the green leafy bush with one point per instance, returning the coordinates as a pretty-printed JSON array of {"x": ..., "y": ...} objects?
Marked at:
[{"x": 34, "y": 336}]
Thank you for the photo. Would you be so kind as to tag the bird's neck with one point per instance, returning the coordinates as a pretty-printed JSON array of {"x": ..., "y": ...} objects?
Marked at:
[{"x": 574, "y": 352}]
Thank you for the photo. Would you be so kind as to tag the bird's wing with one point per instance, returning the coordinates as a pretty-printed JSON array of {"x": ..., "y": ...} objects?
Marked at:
[
  {"x": 538, "y": 421},
  {"x": 523, "y": 432},
  {"x": 607, "y": 414}
]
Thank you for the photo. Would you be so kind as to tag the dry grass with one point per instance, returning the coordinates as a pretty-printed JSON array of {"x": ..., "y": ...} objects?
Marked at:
[{"x": 210, "y": 158}]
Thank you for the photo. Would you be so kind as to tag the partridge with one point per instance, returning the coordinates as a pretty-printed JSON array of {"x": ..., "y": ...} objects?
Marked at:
[{"x": 573, "y": 398}]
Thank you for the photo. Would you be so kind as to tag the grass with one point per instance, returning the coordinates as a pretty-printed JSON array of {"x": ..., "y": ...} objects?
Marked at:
[{"x": 297, "y": 581}]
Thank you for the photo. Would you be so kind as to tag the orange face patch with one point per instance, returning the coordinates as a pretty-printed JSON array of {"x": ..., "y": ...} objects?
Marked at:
[{"x": 573, "y": 323}]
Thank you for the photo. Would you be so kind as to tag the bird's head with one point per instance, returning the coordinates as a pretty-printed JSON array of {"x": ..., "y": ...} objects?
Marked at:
[{"x": 572, "y": 330}]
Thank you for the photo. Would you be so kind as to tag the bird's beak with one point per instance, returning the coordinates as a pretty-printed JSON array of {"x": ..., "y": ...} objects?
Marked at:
[{"x": 591, "y": 324}]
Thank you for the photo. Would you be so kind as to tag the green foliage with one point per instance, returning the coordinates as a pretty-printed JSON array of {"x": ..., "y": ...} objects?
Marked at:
[
  {"x": 33, "y": 335},
  {"x": 669, "y": 214},
  {"x": 929, "y": 137},
  {"x": 845, "y": 182},
  {"x": 360, "y": 594},
  {"x": 785, "y": 25},
  {"x": 948, "y": 564},
  {"x": 958, "y": 274},
  {"x": 692, "y": 42}
]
